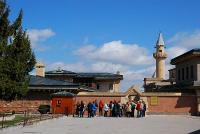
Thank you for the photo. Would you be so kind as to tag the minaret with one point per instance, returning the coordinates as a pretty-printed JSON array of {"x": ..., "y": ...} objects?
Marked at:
[{"x": 160, "y": 57}]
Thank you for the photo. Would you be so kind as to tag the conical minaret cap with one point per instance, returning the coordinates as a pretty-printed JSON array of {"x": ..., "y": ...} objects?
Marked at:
[{"x": 160, "y": 41}]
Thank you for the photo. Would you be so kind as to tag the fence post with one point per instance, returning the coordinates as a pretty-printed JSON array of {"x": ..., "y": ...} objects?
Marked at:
[
  {"x": 40, "y": 117},
  {"x": 24, "y": 118},
  {"x": 2, "y": 120}
]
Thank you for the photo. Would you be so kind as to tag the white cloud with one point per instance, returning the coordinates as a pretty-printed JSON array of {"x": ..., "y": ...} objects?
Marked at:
[
  {"x": 186, "y": 40},
  {"x": 76, "y": 67},
  {"x": 179, "y": 44},
  {"x": 116, "y": 52},
  {"x": 175, "y": 51},
  {"x": 39, "y": 35},
  {"x": 107, "y": 67}
]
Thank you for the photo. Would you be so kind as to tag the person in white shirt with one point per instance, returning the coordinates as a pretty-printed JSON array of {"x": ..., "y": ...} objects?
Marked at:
[{"x": 106, "y": 108}]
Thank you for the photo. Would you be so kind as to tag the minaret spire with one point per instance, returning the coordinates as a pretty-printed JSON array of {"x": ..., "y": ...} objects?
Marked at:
[
  {"x": 160, "y": 57},
  {"x": 160, "y": 41}
]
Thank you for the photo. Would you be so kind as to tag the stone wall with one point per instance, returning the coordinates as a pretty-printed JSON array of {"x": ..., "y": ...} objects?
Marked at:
[
  {"x": 20, "y": 106},
  {"x": 167, "y": 103},
  {"x": 105, "y": 99},
  {"x": 198, "y": 102},
  {"x": 173, "y": 105}
]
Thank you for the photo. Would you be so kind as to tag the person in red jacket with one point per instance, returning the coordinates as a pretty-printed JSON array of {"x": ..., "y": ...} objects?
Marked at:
[
  {"x": 101, "y": 105},
  {"x": 138, "y": 108}
]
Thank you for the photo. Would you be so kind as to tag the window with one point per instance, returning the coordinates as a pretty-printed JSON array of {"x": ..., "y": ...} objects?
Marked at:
[
  {"x": 58, "y": 102},
  {"x": 98, "y": 86},
  {"x": 187, "y": 73},
  {"x": 110, "y": 86},
  {"x": 179, "y": 74},
  {"x": 90, "y": 84},
  {"x": 183, "y": 73},
  {"x": 192, "y": 71},
  {"x": 86, "y": 84}
]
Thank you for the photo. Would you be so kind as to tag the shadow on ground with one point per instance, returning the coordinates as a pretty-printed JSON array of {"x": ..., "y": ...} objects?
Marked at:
[{"x": 195, "y": 132}]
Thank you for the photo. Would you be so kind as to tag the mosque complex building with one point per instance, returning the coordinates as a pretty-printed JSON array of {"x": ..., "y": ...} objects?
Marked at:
[
  {"x": 179, "y": 94},
  {"x": 183, "y": 78}
]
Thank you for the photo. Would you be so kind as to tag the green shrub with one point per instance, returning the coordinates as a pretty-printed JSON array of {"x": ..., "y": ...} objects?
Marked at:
[
  {"x": 44, "y": 109},
  {"x": 13, "y": 112}
]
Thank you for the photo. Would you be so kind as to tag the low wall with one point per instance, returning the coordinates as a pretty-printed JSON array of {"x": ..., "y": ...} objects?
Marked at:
[
  {"x": 21, "y": 105},
  {"x": 106, "y": 97},
  {"x": 167, "y": 103},
  {"x": 172, "y": 103},
  {"x": 87, "y": 99}
]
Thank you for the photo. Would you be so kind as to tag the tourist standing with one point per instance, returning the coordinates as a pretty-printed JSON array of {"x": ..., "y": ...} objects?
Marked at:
[
  {"x": 121, "y": 109},
  {"x": 96, "y": 105},
  {"x": 118, "y": 109},
  {"x": 138, "y": 108},
  {"x": 141, "y": 108},
  {"x": 101, "y": 106},
  {"x": 132, "y": 109},
  {"x": 89, "y": 108},
  {"x": 114, "y": 110},
  {"x": 110, "y": 108},
  {"x": 94, "y": 109},
  {"x": 82, "y": 108},
  {"x": 78, "y": 108},
  {"x": 144, "y": 109},
  {"x": 129, "y": 109},
  {"x": 106, "y": 108}
]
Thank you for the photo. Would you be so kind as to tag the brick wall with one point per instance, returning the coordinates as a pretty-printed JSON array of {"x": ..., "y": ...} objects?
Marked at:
[
  {"x": 105, "y": 99},
  {"x": 166, "y": 104},
  {"x": 22, "y": 105},
  {"x": 173, "y": 105}
]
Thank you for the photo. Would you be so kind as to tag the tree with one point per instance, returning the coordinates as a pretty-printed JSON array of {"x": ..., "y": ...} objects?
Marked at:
[
  {"x": 137, "y": 98},
  {"x": 16, "y": 56}
]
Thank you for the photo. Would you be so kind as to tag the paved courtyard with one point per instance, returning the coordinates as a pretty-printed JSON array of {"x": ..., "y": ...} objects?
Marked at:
[{"x": 161, "y": 124}]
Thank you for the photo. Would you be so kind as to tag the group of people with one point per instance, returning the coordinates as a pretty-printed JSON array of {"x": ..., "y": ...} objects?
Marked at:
[{"x": 111, "y": 109}]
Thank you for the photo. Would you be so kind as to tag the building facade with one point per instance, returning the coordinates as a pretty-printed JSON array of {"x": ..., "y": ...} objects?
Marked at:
[
  {"x": 187, "y": 70},
  {"x": 98, "y": 81}
]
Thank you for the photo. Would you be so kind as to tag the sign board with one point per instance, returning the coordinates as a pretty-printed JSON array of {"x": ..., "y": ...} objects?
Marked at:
[{"x": 154, "y": 100}]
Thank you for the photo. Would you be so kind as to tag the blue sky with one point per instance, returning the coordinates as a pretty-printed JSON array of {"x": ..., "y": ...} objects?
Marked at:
[{"x": 108, "y": 35}]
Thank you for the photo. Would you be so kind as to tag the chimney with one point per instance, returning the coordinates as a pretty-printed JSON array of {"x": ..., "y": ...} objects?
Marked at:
[
  {"x": 118, "y": 72},
  {"x": 40, "y": 69}
]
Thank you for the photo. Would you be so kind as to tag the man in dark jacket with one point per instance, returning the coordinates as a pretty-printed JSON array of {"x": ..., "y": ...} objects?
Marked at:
[
  {"x": 82, "y": 108},
  {"x": 89, "y": 108}
]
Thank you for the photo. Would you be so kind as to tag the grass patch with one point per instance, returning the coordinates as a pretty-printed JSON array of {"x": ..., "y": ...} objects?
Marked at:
[{"x": 17, "y": 119}]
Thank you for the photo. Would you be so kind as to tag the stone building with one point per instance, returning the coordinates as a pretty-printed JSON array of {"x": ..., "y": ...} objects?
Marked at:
[
  {"x": 187, "y": 69},
  {"x": 104, "y": 82},
  {"x": 46, "y": 83},
  {"x": 40, "y": 88},
  {"x": 187, "y": 72},
  {"x": 183, "y": 84}
]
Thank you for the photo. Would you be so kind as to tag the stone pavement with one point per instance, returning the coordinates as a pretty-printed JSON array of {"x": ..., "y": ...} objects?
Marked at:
[{"x": 152, "y": 124}]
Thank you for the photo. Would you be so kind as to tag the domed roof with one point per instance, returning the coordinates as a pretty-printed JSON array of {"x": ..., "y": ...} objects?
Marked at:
[{"x": 63, "y": 94}]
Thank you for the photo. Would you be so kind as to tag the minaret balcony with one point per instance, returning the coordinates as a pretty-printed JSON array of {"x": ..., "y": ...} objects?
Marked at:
[{"x": 160, "y": 55}]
